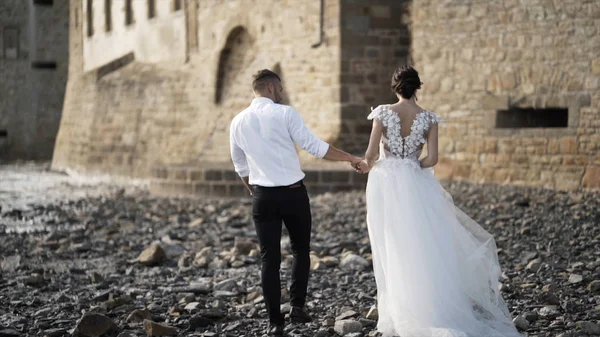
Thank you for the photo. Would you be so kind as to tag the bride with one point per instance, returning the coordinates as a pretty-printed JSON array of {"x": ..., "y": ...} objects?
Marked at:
[{"x": 436, "y": 269}]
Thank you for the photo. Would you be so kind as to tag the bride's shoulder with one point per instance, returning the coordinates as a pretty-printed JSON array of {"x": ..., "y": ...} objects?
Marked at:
[
  {"x": 431, "y": 116},
  {"x": 379, "y": 111}
]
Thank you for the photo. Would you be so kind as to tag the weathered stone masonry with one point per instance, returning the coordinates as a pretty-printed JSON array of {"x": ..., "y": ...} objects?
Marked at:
[
  {"x": 33, "y": 75},
  {"x": 159, "y": 114}
]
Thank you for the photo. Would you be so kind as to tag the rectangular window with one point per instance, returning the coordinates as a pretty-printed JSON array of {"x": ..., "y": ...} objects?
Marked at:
[
  {"x": 90, "y": 17},
  {"x": 43, "y": 65},
  {"x": 43, "y": 2},
  {"x": 151, "y": 9},
  {"x": 108, "y": 15},
  {"x": 11, "y": 42},
  {"x": 3, "y": 133},
  {"x": 128, "y": 12},
  {"x": 514, "y": 118},
  {"x": 177, "y": 5}
]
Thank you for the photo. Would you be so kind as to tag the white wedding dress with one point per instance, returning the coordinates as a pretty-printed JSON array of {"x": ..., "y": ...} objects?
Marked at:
[{"x": 436, "y": 270}]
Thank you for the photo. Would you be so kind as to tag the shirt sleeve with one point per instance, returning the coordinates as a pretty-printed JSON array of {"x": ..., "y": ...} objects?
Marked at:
[
  {"x": 302, "y": 136},
  {"x": 238, "y": 156}
]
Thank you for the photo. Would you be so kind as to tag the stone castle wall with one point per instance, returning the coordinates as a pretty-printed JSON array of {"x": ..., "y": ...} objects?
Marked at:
[
  {"x": 33, "y": 72},
  {"x": 137, "y": 115},
  {"x": 478, "y": 57},
  {"x": 375, "y": 40}
]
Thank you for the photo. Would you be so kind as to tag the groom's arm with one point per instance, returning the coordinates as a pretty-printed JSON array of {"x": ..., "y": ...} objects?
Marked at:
[
  {"x": 239, "y": 161},
  {"x": 246, "y": 181},
  {"x": 302, "y": 137}
]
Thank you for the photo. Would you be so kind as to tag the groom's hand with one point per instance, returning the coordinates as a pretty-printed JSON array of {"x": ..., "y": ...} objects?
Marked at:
[
  {"x": 355, "y": 161},
  {"x": 363, "y": 167}
]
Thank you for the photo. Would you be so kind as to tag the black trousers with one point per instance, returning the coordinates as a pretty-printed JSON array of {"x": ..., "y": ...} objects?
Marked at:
[{"x": 272, "y": 206}]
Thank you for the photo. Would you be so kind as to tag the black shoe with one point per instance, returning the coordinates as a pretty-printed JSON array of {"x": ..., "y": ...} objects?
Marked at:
[
  {"x": 275, "y": 330},
  {"x": 297, "y": 315}
]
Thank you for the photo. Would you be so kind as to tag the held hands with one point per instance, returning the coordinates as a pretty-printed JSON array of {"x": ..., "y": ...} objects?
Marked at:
[{"x": 360, "y": 165}]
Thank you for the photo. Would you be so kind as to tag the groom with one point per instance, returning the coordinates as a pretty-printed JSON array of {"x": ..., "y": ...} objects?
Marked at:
[{"x": 263, "y": 139}]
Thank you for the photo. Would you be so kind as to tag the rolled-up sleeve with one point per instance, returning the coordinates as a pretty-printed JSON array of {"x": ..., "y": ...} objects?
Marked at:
[
  {"x": 302, "y": 136},
  {"x": 238, "y": 156}
]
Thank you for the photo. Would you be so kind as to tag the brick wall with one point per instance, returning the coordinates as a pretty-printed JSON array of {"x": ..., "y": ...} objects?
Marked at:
[
  {"x": 477, "y": 57},
  {"x": 32, "y": 98}
]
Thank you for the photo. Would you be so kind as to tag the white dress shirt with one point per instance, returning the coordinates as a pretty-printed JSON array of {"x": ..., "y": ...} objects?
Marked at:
[{"x": 262, "y": 139}]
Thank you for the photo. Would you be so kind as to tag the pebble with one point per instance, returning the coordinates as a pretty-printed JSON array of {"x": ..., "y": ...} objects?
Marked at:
[
  {"x": 534, "y": 265},
  {"x": 152, "y": 255},
  {"x": 9, "y": 333},
  {"x": 521, "y": 323},
  {"x": 347, "y": 326},
  {"x": 94, "y": 324},
  {"x": 347, "y": 314},
  {"x": 117, "y": 229},
  {"x": 575, "y": 278},
  {"x": 354, "y": 262},
  {"x": 594, "y": 287},
  {"x": 156, "y": 329},
  {"x": 589, "y": 327},
  {"x": 138, "y": 316},
  {"x": 373, "y": 313}
]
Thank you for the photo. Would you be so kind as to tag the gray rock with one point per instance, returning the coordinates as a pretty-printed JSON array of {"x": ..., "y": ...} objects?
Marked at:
[
  {"x": 521, "y": 323},
  {"x": 285, "y": 308},
  {"x": 347, "y": 326},
  {"x": 346, "y": 315},
  {"x": 197, "y": 321},
  {"x": 35, "y": 280},
  {"x": 156, "y": 329},
  {"x": 227, "y": 285},
  {"x": 531, "y": 316},
  {"x": 589, "y": 327},
  {"x": 152, "y": 255},
  {"x": 243, "y": 246},
  {"x": 534, "y": 265},
  {"x": 138, "y": 316},
  {"x": 225, "y": 294},
  {"x": 193, "y": 306},
  {"x": 373, "y": 313},
  {"x": 575, "y": 278},
  {"x": 594, "y": 287},
  {"x": 9, "y": 333},
  {"x": 549, "y": 312},
  {"x": 55, "y": 332},
  {"x": 11, "y": 263},
  {"x": 354, "y": 262},
  {"x": 43, "y": 312},
  {"x": 213, "y": 314},
  {"x": 94, "y": 324}
]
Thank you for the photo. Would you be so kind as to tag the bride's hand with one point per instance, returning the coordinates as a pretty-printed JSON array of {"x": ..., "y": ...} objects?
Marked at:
[{"x": 363, "y": 167}]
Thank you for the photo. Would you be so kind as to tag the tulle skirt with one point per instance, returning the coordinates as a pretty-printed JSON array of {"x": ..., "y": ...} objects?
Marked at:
[{"x": 436, "y": 269}]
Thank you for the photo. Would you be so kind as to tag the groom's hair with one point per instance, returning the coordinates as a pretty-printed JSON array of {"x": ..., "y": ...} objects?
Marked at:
[{"x": 262, "y": 78}]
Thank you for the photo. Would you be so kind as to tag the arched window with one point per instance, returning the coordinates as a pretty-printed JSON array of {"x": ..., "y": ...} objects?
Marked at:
[{"x": 232, "y": 61}]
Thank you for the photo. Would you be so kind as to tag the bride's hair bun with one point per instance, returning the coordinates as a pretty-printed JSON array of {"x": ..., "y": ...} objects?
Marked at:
[{"x": 406, "y": 81}]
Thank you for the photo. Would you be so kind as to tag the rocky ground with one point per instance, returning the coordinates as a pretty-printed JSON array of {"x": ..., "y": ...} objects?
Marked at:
[{"x": 125, "y": 263}]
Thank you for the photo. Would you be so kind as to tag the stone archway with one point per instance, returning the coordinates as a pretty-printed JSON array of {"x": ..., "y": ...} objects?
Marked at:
[{"x": 234, "y": 59}]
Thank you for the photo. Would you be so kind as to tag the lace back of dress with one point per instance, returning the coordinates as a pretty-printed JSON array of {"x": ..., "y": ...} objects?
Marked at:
[{"x": 411, "y": 145}]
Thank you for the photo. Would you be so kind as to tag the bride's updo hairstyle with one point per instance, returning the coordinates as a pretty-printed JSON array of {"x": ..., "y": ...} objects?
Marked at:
[{"x": 406, "y": 81}]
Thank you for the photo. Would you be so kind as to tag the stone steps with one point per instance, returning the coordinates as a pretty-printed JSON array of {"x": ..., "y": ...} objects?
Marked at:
[{"x": 222, "y": 181}]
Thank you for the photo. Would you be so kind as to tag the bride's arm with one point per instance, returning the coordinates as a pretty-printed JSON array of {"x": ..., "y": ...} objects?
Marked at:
[
  {"x": 373, "y": 149},
  {"x": 432, "y": 148}
]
